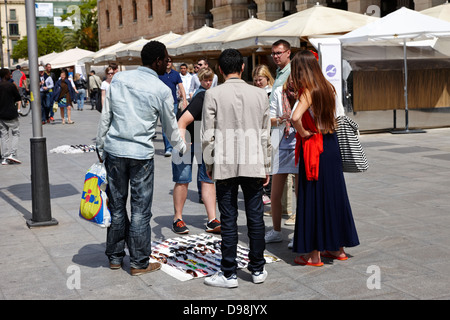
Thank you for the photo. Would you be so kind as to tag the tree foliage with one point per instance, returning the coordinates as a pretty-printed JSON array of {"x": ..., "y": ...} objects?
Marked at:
[
  {"x": 52, "y": 39},
  {"x": 86, "y": 37},
  {"x": 49, "y": 39}
]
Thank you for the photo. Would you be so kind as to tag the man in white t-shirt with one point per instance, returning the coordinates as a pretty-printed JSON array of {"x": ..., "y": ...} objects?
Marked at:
[{"x": 186, "y": 77}]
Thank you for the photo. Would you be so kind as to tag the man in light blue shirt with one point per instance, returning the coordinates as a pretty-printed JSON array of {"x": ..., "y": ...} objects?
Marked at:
[{"x": 134, "y": 102}]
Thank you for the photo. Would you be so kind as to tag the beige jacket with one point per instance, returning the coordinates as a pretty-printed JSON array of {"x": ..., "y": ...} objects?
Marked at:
[{"x": 235, "y": 131}]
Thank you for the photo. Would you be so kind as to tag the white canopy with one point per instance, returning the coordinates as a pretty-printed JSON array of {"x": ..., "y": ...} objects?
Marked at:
[
  {"x": 68, "y": 58},
  {"x": 42, "y": 60},
  {"x": 399, "y": 27},
  {"x": 441, "y": 12},
  {"x": 214, "y": 42},
  {"x": 317, "y": 20},
  {"x": 188, "y": 39},
  {"x": 102, "y": 57},
  {"x": 402, "y": 24}
]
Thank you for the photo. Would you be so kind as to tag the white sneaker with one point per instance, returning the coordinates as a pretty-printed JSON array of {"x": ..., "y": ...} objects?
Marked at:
[
  {"x": 266, "y": 199},
  {"x": 219, "y": 280},
  {"x": 14, "y": 160},
  {"x": 167, "y": 153},
  {"x": 259, "y": 277},
  {"x": 273, "y": 236},
  {"x": 5, "y": 162},
  {"x": 290, "y": 221}
]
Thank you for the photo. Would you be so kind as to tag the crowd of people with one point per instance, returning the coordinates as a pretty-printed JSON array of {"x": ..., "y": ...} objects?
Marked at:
[{"x": 253, "y": 136}]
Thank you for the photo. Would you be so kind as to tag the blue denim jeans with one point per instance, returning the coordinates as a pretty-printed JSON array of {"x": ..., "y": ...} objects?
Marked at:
[
  {"x": 46, "y": 105},
  {"x": 227, "y": 193},
  {"x": 138, "y": 174},
  {"x": 167, "y": 145},
  {"x": 80, "y": 98}
]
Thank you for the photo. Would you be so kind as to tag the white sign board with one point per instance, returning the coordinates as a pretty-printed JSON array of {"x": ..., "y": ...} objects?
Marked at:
[
  {"x": 58, "y": 22},
  {"x": 44, "y": 10},
  {"x": 331, "y": 63}
]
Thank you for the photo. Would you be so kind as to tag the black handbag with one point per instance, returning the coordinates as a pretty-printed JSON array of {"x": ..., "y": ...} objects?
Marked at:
[{"x": 353, "y": 156}]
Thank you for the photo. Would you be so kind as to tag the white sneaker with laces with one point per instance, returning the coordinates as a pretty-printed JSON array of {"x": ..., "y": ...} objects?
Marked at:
[
  {"x": 273, "y": 236},
  {"x": 219, "y": 280},
  {"x": 266, "y": 199},
  {"x": 259, "y": 277},
  {"x": 12, "y": 159}
]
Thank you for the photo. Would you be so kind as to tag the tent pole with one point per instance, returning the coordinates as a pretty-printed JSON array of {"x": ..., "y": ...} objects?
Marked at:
[
  {"x": 406, "y": 85},
  {"x": 405, "y": 58}
]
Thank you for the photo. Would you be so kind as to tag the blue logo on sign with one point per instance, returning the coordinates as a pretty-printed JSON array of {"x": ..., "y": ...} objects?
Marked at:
[{"x": 331, "y": 71}]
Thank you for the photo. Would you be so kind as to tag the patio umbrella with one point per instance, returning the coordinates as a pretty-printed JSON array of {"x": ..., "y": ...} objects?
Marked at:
[
  {"x": 317, "y": 20},
  {"x": 214, "y": 42},
  {"x": 188, "y": 39},
  {"x": 131, "y": 53},
  {"x": 104, "y": 56},
  {"x": 441, "y": 12},
  {"x": 401, "y": 26}
]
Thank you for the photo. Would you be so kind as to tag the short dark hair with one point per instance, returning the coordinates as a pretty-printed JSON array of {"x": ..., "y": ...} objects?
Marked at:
[
  {"x": 152, "y": 51},
  {"x": 231, "y": 61},
  {"x": 4, "y": 72},
  {"x": 204, "y": 59},
  {"x": 183, "y": 65},
  {"x": 286, "y": 44}
]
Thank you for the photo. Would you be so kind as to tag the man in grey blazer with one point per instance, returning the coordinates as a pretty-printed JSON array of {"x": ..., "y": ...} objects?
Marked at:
[{"x": 236, "y": 150}]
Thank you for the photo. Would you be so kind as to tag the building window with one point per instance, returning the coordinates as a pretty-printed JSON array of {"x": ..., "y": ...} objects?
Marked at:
[
  {"x": 150, "y": 8},
  {"x": 12, "y": 14},
  {"x": 120, "y": 15},
  {"x": 108, "y": 25},
  {"x": 168, "y": 6},
  {"x": 134, "y": 11},
  {"x": 14, "y": 29}
]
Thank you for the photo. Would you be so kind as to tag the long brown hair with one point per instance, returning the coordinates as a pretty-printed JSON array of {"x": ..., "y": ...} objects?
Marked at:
[{"x": 306, "y": 74}]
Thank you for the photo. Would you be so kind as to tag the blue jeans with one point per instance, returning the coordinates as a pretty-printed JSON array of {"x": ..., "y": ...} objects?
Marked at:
[
  {"x": 46, "y": 105},
  {"x": 80, "y": 98},
  {"x": 138, "y": 174},
  {"x": 167, "y": 145},
  {"x": 227, "y": 193}
]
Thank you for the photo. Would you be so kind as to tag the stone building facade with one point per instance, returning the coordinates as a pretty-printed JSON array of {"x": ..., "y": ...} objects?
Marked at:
[{"x": 129, "y": 20}]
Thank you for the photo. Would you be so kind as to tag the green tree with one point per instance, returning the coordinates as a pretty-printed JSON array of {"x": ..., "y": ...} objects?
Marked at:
[
  {"x": 49, "y": 39},
  {"x": 86, "y": 37}
]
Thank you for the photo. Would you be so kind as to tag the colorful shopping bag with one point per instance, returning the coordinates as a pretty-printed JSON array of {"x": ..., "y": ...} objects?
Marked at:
[{"x": 94, "y": 201}]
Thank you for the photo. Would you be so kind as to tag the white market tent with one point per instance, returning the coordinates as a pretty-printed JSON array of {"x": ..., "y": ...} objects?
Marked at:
[
  {"x": 297, "y": 27},
  {"x": 42, "y": 60},
  {"x": 68, "y": 58},
  {"x": 398, "y": 28}
]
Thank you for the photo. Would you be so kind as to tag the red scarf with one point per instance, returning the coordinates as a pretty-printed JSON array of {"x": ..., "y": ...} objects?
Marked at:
[{"x": 312, "y": 147}]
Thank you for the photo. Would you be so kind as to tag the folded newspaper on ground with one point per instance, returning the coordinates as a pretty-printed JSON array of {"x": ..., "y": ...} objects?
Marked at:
[{"x": 195, "y": 256}]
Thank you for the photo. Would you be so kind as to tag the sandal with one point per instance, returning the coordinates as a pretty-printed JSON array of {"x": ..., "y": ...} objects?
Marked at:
[
  {"x": 328, "y": 254},
  {"x": 303, "y": 262},
  {"x": 70, "y": 122}
]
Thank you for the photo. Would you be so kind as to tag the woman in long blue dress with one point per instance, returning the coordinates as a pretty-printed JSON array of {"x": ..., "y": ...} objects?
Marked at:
[{"x": 324, "y": 221}]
